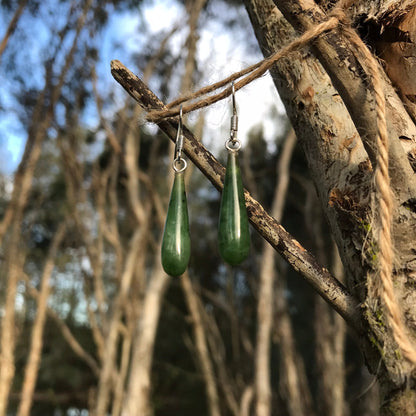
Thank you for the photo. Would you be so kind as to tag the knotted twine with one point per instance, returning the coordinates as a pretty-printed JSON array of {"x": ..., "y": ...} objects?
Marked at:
[{"x": 380, "y": 285}]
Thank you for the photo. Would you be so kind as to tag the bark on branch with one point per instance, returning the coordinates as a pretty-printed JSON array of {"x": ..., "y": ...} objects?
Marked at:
[
  {"x": 296, "y": 255},
  {"x": 348, "y": 68}
]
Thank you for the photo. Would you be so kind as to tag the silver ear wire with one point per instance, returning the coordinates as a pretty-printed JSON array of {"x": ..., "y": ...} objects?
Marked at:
[
  {"x": 233, "y": 97},
  {"x": 179, "y": 163},
  {"x": 234, "y": 117},
  {"x": 233, "y": 144},
  {"x": 179, "y": 138}
]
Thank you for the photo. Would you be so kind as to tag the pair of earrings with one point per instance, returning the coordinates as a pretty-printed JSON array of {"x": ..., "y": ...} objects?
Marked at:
[{"x": 233, "y": 230}]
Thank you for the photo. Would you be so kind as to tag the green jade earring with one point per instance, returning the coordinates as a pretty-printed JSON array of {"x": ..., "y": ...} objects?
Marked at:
[
  {"x": 233, "y": 230},
  {"x": 176, "y": 242}
]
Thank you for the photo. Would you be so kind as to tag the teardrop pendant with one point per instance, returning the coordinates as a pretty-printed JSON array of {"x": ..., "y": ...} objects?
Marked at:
[
  {"x": 176, "y": 243},
  {"x": 233, "y": 234}
]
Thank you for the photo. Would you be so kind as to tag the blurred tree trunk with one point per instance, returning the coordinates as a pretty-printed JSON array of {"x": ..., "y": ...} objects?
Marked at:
[
  {"x": 193, "y": 8},
  {"x": 339, "y": 339},
  {"x": 110, "y": 356},
  {"x": 194, "y": 307},
  {"x": 137, "y": 401},
  {"x": 130, "y": 306},
  {"x": 368, "y": 396},
  {"x": 193, "y": 301},
  {"x": 293, "y": 382},
  {"x": 330, "y": 328},
  {"x": 36, "y": 341},
  {"x": 330, "y": 347},
  {"x": 293, "y": 376},
  {"x": 336, "y": 127},
  {"x": 14, "y": 265},
  {"x": 329, "y": 350},
  {"x": 114, "y": 330},
  {"x": 12, "y": 26},
  {"x": 267, "y": 293},
  {"x": 41, "y": 120},
  {"x": 226, "y": 382},
  {"x": 65, "y": 331}
]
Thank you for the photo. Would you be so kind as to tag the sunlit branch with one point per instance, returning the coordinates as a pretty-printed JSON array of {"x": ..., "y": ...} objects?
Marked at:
[{"x": 291, "y": 250}]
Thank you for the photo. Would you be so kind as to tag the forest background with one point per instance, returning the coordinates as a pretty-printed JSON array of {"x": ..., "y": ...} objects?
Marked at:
[{"x": 90, "y": 322}]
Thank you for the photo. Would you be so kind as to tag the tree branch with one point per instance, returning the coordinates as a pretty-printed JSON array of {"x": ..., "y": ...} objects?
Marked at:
[
  {"x": 296, "y": 255},
  {"x": 66, "y": 332},
  {"x": 12, "y": 26},
  {"x": 342, "y": 53}
]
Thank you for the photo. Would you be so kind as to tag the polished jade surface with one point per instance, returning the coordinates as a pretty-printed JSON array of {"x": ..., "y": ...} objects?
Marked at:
[
  {"x": 233, "y": 230},
  {"x": 176, "y": 243}
]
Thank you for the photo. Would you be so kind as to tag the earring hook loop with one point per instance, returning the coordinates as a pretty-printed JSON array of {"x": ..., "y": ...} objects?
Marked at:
[
  {"x": 179, "y": 163},
  {"x": 233, "y": 144}
]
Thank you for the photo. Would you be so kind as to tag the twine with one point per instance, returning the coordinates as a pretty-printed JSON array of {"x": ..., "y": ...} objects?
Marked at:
[
  {"x": 250, "y": 74},
  {"x": 383, "y": 287},
  {"x": 380, "y": 285}
]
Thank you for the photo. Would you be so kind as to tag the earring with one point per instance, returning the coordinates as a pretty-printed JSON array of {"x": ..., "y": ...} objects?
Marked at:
[
  {"x": 233, "y": 230},
  {"x": 176, "y": 242}
]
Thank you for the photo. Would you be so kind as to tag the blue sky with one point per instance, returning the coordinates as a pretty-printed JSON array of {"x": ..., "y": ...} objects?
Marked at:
[
  {"x": 11, "y": 152},
  {"x": 12, "y": 140},
  {"x": 253, "y": 101}
]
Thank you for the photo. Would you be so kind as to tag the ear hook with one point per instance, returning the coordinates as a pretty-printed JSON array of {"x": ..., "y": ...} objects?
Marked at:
[
  {"x": 179, "y": 138},
  {"x": 234, "y": 117},
  {"x": 233, "y": 96},
  {"x": 178, "y": 160}
]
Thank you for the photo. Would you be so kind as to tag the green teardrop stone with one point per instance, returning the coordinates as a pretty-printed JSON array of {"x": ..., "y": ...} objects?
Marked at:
[
  {"x": 233, "y": 230},
  {"x": 176, "y": 243}
]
